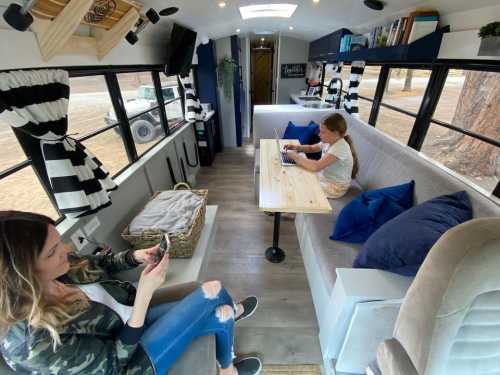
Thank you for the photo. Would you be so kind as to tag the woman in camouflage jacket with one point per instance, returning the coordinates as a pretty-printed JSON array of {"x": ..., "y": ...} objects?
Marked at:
[{"x": 50, "y": 326}]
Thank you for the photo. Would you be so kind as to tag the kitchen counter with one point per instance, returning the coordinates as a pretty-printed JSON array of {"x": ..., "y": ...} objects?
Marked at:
[
  {"x": 278, "y": 108},
  {"x": 295, "y": 98}
]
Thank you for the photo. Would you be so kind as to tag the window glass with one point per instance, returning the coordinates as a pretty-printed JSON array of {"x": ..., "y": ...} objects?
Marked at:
[
  {"x": 23, "y": 191},
  {"x": 11, "y": 152},
  {"x": 174, "y": 113},
  {"x": 472, "y": 158},
  {"x": 90, "y": 106},
  {"x": 365, "y": 108},
  {"x": 108, "y": 147},
  {"x": 395, "y": 124},
  {"x": 368, "y": 84},
  {"x": 139, "y": 95},
  {"x": 471, "y": 100},
  {"x": 406, "y": 88},
  {"x": 174, "y": 109}
]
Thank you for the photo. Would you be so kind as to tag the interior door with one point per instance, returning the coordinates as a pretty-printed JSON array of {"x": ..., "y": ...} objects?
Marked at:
[{"x": 262, "y": 76}]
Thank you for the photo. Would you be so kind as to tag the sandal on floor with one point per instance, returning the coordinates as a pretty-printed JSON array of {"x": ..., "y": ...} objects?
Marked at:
[
  {"x": 248, "y": 365},
  {"x": 249, "y": 306}
]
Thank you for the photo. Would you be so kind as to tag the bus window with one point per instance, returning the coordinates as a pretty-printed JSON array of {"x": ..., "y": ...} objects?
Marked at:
[{"x": 470, "y": 101}]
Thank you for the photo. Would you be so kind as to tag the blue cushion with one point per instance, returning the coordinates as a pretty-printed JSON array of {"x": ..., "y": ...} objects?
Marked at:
[
  {"x": 402, "y": 243},
  {"x": 370, "y": 210},
  {"x": 305, "y": 134}
]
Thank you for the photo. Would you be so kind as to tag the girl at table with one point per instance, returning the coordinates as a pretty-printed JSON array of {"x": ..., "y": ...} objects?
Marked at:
[{"x": 338, "y": 164}]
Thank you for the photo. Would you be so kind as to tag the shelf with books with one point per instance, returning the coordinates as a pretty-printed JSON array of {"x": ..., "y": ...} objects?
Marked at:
[{"x": 425, "y": 49}]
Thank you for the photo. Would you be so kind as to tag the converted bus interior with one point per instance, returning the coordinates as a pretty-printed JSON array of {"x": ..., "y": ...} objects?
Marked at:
[{"x": 397, "y": 274}]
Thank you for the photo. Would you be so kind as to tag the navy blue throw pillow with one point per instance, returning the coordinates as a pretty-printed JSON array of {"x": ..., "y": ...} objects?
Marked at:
[
  {"x": 305, "y": 134},
  {"x": 370, "y": 210},
  {"x": 402, "y": 243}
]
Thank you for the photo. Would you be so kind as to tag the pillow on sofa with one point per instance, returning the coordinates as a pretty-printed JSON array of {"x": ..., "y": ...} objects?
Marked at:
[
  {"x": 305, "y": 134},
  {"x": 370, "y": 210},
  {"x": 402, "y": 243}
]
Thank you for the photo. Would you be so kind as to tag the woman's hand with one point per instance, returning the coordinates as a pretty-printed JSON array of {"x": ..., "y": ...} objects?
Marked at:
[
  {"x": 147, "y": 256},
  {"x": 153, "y": 277}
]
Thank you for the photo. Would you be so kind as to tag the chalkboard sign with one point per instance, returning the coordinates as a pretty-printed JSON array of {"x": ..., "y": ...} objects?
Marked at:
[{"x": 293, "y": 70}]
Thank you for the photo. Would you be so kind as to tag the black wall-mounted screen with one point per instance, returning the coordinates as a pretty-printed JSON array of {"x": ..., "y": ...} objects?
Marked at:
[{"x": 181, "y": 50}]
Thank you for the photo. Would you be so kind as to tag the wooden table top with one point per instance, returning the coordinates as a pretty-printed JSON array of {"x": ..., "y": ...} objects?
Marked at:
[{"x": 290, "y": 188}]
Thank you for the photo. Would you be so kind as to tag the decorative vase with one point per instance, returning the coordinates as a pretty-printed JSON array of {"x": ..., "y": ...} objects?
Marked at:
[{"x": 490, "y": 46}]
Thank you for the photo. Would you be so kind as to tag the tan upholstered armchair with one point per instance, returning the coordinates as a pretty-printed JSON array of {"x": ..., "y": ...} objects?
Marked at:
[{"x": 449, "y": 322}]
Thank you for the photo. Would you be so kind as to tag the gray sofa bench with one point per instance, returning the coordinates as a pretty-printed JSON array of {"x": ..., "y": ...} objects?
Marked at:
[{"x": 382, "y": 162}]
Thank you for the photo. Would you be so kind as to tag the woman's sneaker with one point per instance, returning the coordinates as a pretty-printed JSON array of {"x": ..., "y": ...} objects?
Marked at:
[
  {"x": 248, "y": 366},
  {"x": 249, "y": 306}
]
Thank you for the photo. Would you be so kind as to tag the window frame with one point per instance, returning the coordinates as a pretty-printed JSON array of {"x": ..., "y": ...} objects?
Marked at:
[
  {"x": 424, "y": 117},
  {"x": 33, "y": 154}
]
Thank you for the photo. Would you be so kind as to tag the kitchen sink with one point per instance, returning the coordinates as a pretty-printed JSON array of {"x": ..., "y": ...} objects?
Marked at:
[
  {"x": 317, "y": 105},
  {"x": 309, "y": 98}
]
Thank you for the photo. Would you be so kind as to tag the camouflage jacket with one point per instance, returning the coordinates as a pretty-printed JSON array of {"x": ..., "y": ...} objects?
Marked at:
[{"x": 96, "y": 342}]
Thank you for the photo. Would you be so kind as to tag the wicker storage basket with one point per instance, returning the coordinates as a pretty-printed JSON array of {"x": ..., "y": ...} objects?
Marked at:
[{"x": 182, "y": 244}]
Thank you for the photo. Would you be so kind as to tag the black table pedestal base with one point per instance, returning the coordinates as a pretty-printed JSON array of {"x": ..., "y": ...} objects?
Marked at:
[{"x": 275, "y": 255}]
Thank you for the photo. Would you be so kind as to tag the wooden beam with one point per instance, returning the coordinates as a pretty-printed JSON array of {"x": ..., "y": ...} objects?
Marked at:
[
  {"x": 54, "y": 37},
  {"x": 107, "y": 40}
]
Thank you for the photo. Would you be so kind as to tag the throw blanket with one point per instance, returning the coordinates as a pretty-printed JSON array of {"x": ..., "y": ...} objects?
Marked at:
[{"x": 170, "y": 212}]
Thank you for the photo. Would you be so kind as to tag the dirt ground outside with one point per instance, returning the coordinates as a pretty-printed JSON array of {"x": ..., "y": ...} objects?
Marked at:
[{"x": 90, "y": 103}]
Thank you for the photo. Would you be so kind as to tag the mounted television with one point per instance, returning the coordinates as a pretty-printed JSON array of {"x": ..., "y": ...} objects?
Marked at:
[{"x": 180, "y": 56}]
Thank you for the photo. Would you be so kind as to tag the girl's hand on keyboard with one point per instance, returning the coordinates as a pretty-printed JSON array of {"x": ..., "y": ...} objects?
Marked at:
[
  {"x": 292, "y": 155},
  {"x": 291, "y": 147}
]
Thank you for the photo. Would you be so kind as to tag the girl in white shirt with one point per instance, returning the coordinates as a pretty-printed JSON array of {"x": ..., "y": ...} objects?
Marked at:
[{"x": 338, "y": 163}]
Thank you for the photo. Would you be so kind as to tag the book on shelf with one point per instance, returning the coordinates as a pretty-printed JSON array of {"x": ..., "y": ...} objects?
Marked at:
[{"x": 403, "y": 30}]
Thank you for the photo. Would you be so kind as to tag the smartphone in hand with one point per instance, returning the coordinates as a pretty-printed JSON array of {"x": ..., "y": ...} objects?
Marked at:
[{"x": 164, "y": 247}]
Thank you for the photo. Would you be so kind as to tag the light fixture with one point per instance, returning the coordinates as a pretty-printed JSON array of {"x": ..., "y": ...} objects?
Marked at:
[
  {"x": 262, "y": 39},
  {"x": 168, "y": 11},
  {"x": 316, "y": 1},
  {"x": 238, "y": 30},
  {"x": 222, "y": 4},
  {"x": 290, "y": 28},
  {"x": 268, "y": 10},
  {"x": 374, "y": 4}
]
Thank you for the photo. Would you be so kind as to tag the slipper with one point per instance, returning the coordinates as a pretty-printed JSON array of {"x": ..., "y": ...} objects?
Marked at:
[{"x": 249, "y": 304}]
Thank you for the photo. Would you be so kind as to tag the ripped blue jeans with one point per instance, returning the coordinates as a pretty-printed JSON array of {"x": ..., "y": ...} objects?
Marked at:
[{"x": 171, "y": 327}]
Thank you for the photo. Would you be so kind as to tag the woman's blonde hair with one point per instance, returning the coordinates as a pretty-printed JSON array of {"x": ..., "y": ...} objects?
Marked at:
[
  {"x": 337, "y": 123},
  {"x": 22, "y": 237}
]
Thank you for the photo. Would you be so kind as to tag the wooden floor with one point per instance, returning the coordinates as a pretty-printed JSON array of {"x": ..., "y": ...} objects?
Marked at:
[{"x": 284, "y": 330}]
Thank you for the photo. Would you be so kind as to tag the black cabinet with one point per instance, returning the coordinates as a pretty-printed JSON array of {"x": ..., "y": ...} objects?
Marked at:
[
  {"x": 205, "y": 137},
  {"x": 326, "y": 47}
]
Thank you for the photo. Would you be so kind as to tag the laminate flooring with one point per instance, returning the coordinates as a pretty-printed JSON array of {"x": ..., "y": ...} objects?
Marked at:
[{"x": 284, "y": 329}]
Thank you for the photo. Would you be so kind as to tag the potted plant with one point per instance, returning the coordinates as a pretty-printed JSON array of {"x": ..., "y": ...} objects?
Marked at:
[
  {"x": 490, "y": 40},
  {"x": 225, "y": 75}
]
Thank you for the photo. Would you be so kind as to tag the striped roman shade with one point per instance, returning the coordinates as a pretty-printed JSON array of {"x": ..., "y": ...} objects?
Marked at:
[
  {"x": 194, "y": 111},
  {"x": 351, "y": 99},
  {"x": 36, "y": 102}
]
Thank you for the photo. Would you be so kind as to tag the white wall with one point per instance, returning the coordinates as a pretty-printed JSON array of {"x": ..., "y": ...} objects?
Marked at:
[
  {"x": 463, "y": 41},
  {"x": 226, "y": 105},
  {"x": 291, "y": 51}
]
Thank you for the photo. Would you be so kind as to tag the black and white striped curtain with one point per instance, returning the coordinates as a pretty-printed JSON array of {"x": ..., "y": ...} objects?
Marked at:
[
  {"x": 193, "y": 110},
  {"x": 36, "y": 102},
  {"x": 334, "y": 85},
  {"x": 351, "y": 99}
]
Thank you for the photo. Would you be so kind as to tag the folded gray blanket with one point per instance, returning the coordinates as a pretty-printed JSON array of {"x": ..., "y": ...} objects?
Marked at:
[{"x": 171, "y": 212}]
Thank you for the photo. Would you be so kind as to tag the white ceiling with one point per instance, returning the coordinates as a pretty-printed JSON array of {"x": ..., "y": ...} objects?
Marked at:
[{"x": 310, "y": 21}]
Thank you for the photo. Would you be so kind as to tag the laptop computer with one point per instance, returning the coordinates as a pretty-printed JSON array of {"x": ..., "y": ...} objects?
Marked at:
[{"x": 285, "y": 160}]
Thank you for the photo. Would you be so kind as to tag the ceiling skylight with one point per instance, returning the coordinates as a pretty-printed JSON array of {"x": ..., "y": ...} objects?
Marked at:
[{"x": 268, "y": 10}]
